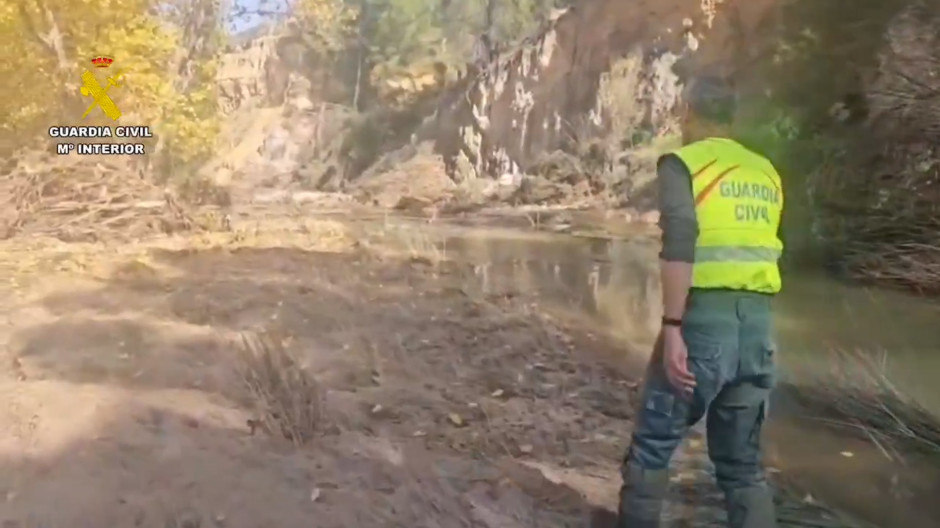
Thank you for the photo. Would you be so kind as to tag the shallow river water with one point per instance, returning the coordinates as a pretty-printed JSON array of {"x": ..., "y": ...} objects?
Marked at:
[{"x": 614, "y": 283}]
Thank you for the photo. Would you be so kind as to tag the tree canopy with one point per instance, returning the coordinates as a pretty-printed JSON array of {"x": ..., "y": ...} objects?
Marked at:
[
  {"x": 48, "y": 46},
  {"x": 167, "y": 51}
]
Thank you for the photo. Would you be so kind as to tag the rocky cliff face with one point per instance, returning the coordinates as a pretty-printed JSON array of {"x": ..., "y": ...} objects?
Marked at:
[
  {"x": 241, "y": 76},
  {"x": 597, "y": 67},
  {"x": 598, "y": 80},
  {"x": 275, "y": 125},
  {"x": 258, "y": 71}
]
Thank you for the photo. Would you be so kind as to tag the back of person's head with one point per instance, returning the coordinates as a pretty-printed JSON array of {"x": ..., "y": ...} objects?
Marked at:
[{"x": 711, "y": 103}]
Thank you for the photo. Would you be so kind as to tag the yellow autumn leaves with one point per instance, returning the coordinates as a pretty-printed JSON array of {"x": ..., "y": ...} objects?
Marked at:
[{"x": 47, "y": 46}]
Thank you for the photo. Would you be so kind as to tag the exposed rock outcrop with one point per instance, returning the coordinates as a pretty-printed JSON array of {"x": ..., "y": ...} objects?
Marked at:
[
  {"x": 591, "y": 92},
  {"x": 602, "y": 69},
  {"x": 265, "y": 68},
  {"x": 242, "y": 74}
]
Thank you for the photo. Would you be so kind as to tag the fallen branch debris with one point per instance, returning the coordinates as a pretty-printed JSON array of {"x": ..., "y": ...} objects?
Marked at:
[{"x": 87, "y": 200}]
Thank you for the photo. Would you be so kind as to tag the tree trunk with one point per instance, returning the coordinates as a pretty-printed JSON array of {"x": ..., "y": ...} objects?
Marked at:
[
  {"x": 359, "y": 59},
  {"x": 53, "y": 40},
  {"x": 198, "y": 23}
]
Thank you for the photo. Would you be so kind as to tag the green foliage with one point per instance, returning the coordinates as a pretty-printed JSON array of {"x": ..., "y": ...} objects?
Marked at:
[
  {"x": 405, "y": 31},
  {"x": 518, "y": 18},
  {"x": 823, "y": 48},
  {"x": 327, "y": 24},
  {"x": 815, "y": 85},
  {"x": 406, "y": 40}
]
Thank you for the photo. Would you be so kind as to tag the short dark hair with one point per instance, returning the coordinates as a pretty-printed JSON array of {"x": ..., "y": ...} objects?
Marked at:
[{"x": 711, "y": 98}]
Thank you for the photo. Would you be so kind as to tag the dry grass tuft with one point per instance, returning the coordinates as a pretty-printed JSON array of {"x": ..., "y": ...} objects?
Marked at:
[
  {"x": 421, "y": 245},
  {"x": 409, "y": 241},
  {"x": 288, "y": 400},
  {"x": 855, "y": 393}
]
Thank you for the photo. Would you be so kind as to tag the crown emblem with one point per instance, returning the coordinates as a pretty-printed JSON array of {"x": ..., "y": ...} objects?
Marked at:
[{"x": 102, "y": 62}]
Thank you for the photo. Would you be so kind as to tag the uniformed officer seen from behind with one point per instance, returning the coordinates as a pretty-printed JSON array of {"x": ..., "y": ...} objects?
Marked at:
[{"x": 720, "y": 209}]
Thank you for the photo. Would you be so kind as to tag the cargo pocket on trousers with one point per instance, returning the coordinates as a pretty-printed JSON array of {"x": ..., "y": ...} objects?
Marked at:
[
  {"x": 663, "y": 415},
  {"x": 705, "y": 364},
  {"x": 765, "y": 365},
  {"x": 660, "y": 402}
]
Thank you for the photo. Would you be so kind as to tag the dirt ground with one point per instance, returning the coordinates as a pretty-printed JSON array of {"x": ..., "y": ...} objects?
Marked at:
[{"x": 129, "y": 398}]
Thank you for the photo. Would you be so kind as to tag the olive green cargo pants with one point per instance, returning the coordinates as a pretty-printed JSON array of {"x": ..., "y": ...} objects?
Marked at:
[{"x": 728, "y": 336}]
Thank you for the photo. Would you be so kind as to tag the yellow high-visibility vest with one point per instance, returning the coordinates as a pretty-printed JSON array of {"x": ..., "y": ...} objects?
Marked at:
[{"x": 738, "y": 204}]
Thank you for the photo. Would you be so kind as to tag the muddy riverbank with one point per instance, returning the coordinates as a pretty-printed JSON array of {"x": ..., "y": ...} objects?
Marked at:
[
  {"x": 454, "y": 387},
  {"x": 608, "y": 277}
]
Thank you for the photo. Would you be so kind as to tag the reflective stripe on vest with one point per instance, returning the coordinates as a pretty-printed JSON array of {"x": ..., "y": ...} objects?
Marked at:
[
  {"x": 736, "y": 254},
  {"x": 738, "y": 203}
]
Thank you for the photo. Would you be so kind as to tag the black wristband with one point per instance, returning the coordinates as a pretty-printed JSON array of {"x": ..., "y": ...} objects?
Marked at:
[{"x": 669, "y": 321}]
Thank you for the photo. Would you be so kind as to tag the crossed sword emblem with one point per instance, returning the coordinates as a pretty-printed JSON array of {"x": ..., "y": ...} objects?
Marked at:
[{"x": 91, "y": 87}]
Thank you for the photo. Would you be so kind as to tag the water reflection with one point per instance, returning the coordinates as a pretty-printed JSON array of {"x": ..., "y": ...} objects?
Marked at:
[
  {"x": 615, "y": 282},
  {"x": 815, "y": 314}
]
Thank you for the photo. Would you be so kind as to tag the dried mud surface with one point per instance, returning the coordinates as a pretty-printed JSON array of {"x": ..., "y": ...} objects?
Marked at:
[{"x": 122, "y": 403}]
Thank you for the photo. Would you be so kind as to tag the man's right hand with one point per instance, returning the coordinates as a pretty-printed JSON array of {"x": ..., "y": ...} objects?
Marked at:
[{"x": 676, "y": 361}]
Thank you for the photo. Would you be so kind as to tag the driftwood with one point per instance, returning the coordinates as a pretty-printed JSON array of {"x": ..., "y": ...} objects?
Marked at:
[{"x": 87, "y": 200}]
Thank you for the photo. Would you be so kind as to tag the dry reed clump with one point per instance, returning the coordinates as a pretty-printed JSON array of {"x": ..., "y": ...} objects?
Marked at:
[
  {"x": 855, "y": 393},
  {"x": 287, "y": 400},
  {"x": 410, "y": 241},
  {"x": 896, "y": 249}
]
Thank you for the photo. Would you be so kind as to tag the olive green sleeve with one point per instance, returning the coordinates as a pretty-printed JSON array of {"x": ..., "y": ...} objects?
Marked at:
[{"x": 676, "y": 210}]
